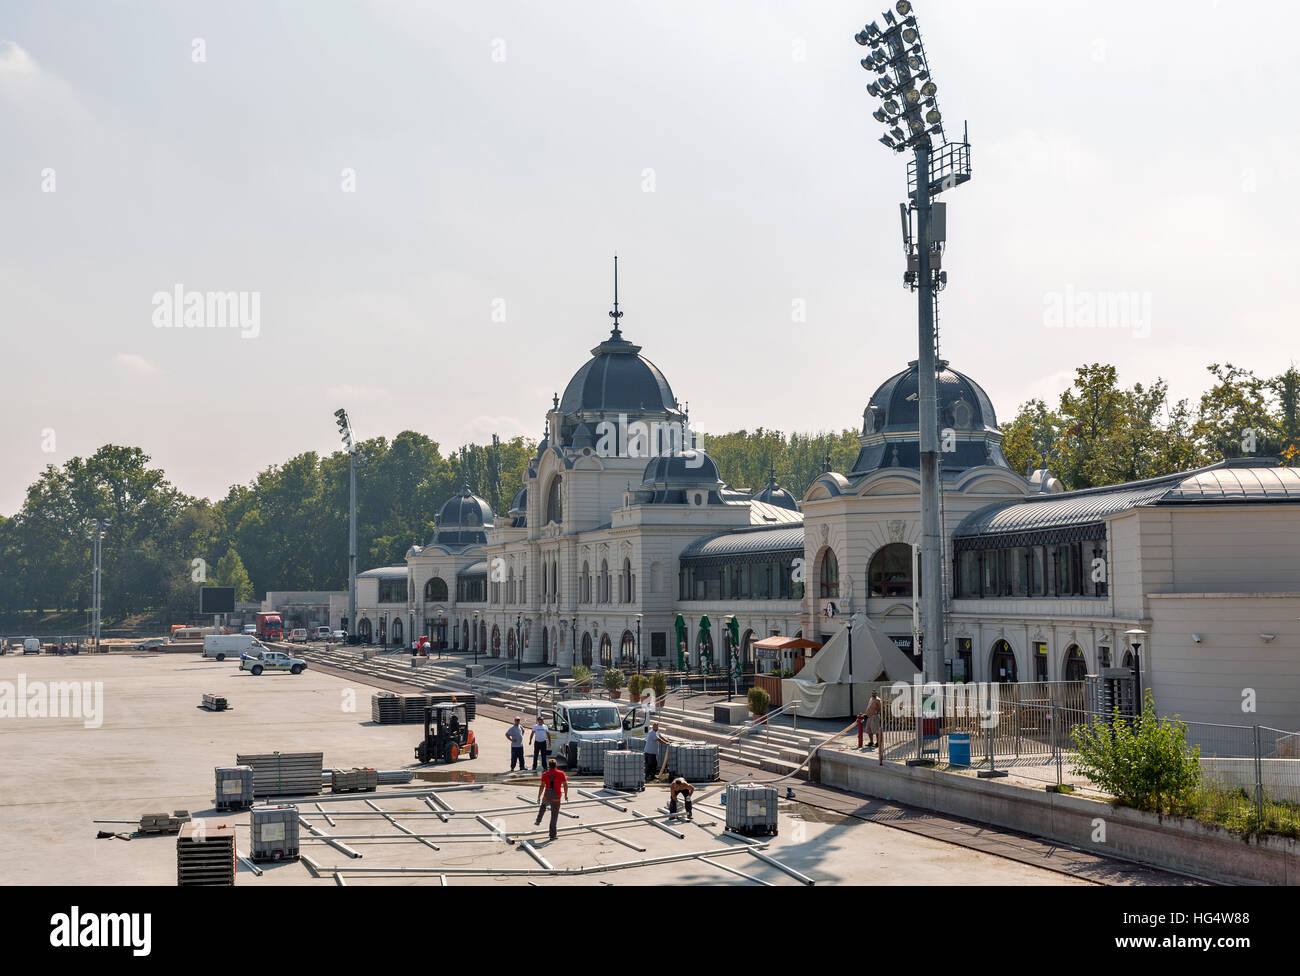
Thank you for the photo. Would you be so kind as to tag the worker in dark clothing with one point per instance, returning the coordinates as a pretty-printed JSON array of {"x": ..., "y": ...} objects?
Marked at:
[
  {"x": 548, "y": 794},
  {"x": 685, "y": 789}
]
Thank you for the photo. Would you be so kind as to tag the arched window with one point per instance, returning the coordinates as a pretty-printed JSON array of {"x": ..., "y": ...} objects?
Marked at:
[
  {"x": 1075, "y": 666},
  {"x": 555, "y": 579},
  {"x": 586, "y": 649},
  {"x": 890, "y": 571},
  {"x": 627, "y": 649},
  {"x": 510, "y": 644},
  {"x": 554, "y": 503},
  {"x": 435, "y": 591},
  {"x": 606, "y": 651},
  {"x": 627, "y": 581},
  {"x": 604, "y": 581},
  {"x": 585, "y": 582},
  {"x": 546, "y": 644},
  {"x": 1002, "y": 662},
  {"x": 482, "y": 636},
  {"x": 830, "y": 576},
  {"x": 545, "y": 580},
  {"x": 510, "y": 585},
  {"x": 496, "y": 641}
]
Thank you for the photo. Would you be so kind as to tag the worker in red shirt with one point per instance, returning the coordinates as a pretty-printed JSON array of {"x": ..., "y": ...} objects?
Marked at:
[{"x": 548, "y": 794}]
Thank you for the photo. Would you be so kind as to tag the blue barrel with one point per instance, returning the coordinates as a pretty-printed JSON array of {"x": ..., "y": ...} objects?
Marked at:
[{"x": 958, "y": 749}]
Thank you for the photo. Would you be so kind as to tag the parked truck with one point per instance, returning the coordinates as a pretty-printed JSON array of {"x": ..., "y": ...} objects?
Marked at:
[{"x": 269, "y": 626}]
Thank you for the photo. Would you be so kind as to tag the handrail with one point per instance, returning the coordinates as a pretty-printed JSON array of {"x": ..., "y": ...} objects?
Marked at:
[
  {"x": 488, "y": 674},
  {"x": 762, "y": 721}
]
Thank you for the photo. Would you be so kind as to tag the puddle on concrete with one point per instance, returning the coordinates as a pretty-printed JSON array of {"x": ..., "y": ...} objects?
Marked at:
[{"x": 811, "y": 814}]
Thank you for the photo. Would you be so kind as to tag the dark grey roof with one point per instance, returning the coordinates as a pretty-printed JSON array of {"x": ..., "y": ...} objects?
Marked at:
[
  {"x": 1022, "y": 523},
  {"x": 474, "y": 569},
  {"x": 746, "y": 545},
  {"x": 616, "y": 380},
  {"x": 691, "y": 468}
]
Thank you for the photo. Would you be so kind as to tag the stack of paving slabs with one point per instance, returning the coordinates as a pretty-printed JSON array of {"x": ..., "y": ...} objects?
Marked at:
[
  {"x": 275, "y": 833},
  {"x": 386, "y": 708},
  {"x": 751, "y": 809},
  {"x": 163, "y": 823},
  {"x": 215, "y": 703},
  {"x": 353, "y": 780},
  {"x": 205, "y": 854},
  {"x": 696, "y": 762},
  {"x": 234, "y": 787},
  {"x": 624, "y": 770},
  {"x": 285, "y": 773},
  {"x": 591, "y": 754}
]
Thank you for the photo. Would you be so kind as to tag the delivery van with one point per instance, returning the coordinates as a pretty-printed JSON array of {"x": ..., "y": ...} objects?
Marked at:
[{"x": 222, "y": 646}]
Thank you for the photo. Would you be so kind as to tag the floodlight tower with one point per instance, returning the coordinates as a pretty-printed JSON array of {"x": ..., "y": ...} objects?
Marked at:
[
  {"x": 345, "y": 434},
  {"x": 910, "y": 112}
]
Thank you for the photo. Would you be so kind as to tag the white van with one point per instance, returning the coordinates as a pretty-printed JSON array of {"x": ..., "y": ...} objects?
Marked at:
[
  {"x": 570, "y": 722},
  {"x": 31, "y": 645},
  {"x": 222, "y": 646}
]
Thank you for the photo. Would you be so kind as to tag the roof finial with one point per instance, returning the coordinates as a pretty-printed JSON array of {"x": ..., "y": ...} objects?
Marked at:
[
  {"x": 826, "y": 464},
  {"x": 555, "y": 402},
  {"x": 771, "y": 473},
  {"x": 616, "y": 314}
]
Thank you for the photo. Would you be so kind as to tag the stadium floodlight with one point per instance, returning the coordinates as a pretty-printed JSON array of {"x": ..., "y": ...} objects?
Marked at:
[
  {"x": 913, "y": 121},
  {"x": 345, "y": 433}
]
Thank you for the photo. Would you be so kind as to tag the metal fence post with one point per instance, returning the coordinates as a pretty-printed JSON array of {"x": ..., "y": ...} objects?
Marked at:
[{"x": 1259, "y": 783}]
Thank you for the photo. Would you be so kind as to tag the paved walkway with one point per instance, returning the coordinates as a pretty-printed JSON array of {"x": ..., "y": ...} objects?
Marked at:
[{"x": 1023, "y": 848}]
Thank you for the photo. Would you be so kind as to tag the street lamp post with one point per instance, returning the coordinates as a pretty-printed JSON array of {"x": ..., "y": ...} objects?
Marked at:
[
  {"x": 911, "y": 115},
  {"x": 1135, "y": 637},
  {"x": 473, "y": 637},
  {"x": 519, "y": 637},
  {"x": 97, "y": 540},
  {"x": 638, "y": 643},
  {"x": 345, "y": 434},
  {"x": 573, "y": 630}
]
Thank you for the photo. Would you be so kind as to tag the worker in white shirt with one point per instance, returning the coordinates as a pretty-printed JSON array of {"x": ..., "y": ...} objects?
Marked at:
[
  {"x": 539, "y": 737},
  {"x": 652, "y": 740}
]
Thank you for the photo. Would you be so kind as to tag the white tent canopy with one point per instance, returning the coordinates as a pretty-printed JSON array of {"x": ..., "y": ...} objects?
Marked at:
[{"x": 822, "y": 687}]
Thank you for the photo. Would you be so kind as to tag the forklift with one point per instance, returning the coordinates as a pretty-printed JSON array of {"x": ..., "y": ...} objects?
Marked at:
[{"x": 447, "y": 735}]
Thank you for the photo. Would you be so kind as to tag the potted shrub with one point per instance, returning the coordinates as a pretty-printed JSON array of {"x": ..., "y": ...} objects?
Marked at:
[
  {"x": 614, "y": 680},
  {"x": 659, "y": 682},
  {"x": 636, "y": 686},
  {"x": 581, "y": 678},
  {"x": 759, "y": 701}
]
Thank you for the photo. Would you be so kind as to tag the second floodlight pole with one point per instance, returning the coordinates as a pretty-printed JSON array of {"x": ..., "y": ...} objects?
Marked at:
[
  {"x": 352, "y": 544},
  {"x": 931, "y": 550}
]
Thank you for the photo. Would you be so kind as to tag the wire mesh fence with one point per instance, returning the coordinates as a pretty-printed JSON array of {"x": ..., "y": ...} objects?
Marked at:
[{"x": 1249, "y": 775}]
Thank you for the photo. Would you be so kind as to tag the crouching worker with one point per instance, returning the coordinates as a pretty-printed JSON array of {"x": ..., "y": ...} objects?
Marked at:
[{"x": 680, "y": 786}]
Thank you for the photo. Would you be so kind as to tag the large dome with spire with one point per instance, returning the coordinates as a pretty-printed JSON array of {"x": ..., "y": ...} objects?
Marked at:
[{"x": 617, "y": 380}]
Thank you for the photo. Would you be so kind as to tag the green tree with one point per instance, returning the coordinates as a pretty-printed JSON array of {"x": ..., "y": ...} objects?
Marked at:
[{"x": 231, "y": 572}]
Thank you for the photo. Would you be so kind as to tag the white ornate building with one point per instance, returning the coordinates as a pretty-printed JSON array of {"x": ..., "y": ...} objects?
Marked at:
[{"x": 607, "y": 555}]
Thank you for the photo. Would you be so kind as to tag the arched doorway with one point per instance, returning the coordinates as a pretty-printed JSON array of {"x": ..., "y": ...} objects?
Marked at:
[
  {"x": 586, "y": 649},
  {"x": 556, "y": 646},
  {"x": 1002, "y": 663},
  {"x": 510, "y": 644},
  {"x": 496, "y": 641},
  {"x": 397, "y": 631},
  {"x": 747, "y": 652},
  {"x": 466, "y": 635},
  {"x": 627, "y": 650},
  {"x": 363, "y": 630},
  {"x": 546, "y": 643},
  {"x": 435, "y": 590},
  {"x": 1128, "y": 659},
  {"x": 1075, "y": 667},
  {"x": 482, "y": 636},
  {"x": 606, "y": 651},
  {"x": 383, "y": 630}
]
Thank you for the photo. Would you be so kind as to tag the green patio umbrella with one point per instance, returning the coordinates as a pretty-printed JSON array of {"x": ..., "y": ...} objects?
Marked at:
[
  {"x": 733, "y": 627},
  {"x": 704, "y": 632},
  {"x": 681, "y": 642}
]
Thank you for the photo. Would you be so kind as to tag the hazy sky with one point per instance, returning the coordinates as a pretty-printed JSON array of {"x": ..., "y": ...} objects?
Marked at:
[{"x": 1143, "y": 156}]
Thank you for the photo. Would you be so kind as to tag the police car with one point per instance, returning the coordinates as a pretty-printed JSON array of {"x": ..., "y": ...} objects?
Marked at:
[{"x": 269, "y": 660}]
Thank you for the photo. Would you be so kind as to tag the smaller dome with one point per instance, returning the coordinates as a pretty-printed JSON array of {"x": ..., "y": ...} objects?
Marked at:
[
  {"x": 520, "y": 505},
  {"x": 688, "y": 469},
  {"x": 775, "y": 495},
  {"x": 462, "y": 521}
]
